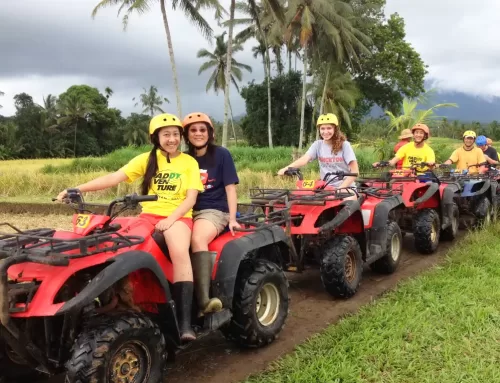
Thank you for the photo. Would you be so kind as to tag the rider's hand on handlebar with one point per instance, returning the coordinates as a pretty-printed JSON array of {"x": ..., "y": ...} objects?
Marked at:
[
  {"x": 62, "y": 195},
  {"x": 281, "y": 172}
]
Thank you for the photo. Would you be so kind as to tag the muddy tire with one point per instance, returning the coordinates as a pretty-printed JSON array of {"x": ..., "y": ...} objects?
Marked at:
[
  {"x": 451, "y": 232},
  {"x": 129, "y": 347},
  {"x": 341, "y": 266},
  {"x": 390, "y": 261},
  {"x": 260, "y": 304},
  {"x": 426, "y": 231},
  {"x": 483, "y": 211}
]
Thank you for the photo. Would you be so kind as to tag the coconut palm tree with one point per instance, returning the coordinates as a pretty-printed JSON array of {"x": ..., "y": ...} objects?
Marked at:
[
  {"x": 151, "y": 101},
  {"x": 191, "y": 11},
  {"x": 217, "y": 60},
  {"x": 311, "y": 23},
  {"x": 260, "y": 18},
  {"x": 72, "y": 110},
  {"x": 108, "y": 91}
]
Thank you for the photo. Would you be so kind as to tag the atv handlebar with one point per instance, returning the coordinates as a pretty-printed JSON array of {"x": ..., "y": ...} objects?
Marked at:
[{"x": 294, "y": 172}]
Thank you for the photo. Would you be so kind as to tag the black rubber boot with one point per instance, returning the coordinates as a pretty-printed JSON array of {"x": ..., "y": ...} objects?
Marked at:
[
  {"x": 202, "y": 271},
  {"x": 183, "y": 297}
]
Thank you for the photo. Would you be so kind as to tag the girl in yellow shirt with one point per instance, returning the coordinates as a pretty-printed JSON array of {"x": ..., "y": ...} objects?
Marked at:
[{"x": 175, "y": 178}]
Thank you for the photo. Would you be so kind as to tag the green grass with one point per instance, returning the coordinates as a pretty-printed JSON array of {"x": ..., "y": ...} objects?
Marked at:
[{"x": 443, "y": 326}]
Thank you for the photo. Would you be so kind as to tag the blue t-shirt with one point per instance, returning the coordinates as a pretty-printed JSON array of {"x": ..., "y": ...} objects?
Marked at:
[{"x": 215, "y": 179}]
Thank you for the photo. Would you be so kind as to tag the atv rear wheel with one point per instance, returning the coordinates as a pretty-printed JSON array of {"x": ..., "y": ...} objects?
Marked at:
[
  {"x": 426, "y": 231},
  {"x": 341, "y": 266},
  {"x": 118, "y": 349},
  {"x": 260, "y": 304},
  {"x": 451, "y": 232},
  {"x": 390, "y": 261}
]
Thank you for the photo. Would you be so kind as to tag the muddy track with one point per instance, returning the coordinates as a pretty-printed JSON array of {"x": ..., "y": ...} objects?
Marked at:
[{"x": 213, "y": 359}]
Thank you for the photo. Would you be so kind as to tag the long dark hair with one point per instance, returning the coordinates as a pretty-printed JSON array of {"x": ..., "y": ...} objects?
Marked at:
[
  {"x": 152, "y": 166},
  {"x": 211, "y": 146}
]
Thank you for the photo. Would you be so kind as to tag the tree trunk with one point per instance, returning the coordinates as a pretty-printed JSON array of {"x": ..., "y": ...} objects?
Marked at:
[
  {"x": 289, "y": 61},
  {"x": 303, "y": 111},
  {"x": 228, "y": 73},
  {"x": 323, "y": 96},
  {"x": 172, "y": 59},
  {"x": 232, "y": 122},
  {"x": 267, "y": 74},
  {"x": 74, "y": 145}
]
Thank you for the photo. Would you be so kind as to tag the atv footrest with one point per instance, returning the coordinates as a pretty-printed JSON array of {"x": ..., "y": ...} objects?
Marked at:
[{"x": 214, "y": 321}]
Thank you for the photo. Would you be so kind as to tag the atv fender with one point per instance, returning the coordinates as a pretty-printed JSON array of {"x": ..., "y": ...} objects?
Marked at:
[
  {"x": 468, "y": 186},
  {"x": 237, "y": 250},
  {"x": 377, "y": 233},
  {"x": 431, "y": 190},
  {"x": 120, "y": 267},
  {"x": 349, "y": 208}
]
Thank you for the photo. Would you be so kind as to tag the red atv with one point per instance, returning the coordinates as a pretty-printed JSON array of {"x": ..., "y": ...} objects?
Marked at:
[
  {"x": 96, "y": 302},
  {"x": 340, "y": 235},
  {"x": 429, "y": 209}
]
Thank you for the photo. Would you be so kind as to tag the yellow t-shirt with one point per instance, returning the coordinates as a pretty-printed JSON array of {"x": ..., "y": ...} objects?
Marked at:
[
  {"x": 464, "y": 158},
  {"x": 171, "y": 182},
  {"x": 412, "y": 155}
]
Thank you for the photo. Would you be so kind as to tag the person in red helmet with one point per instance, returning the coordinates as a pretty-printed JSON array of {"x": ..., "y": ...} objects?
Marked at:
[
  {"x": 416, "y": 152},
  {"x": 215, "y": 209}
]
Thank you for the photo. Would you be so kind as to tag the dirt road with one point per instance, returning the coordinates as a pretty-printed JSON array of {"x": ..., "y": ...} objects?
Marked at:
[{"x": 213, "y": 359}]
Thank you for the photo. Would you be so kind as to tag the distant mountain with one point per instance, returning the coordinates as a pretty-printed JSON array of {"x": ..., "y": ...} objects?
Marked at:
[{"x": 470, "y": 108}]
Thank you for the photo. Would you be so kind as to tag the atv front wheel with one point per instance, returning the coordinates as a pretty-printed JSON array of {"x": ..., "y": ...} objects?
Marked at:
[
  {"x": 341, "y": 266},
  {"x": 483, "y": 212},
  {"x": 260, "y": 304},
  {"x": 390, "y": 261},
  {"x": 451, "y": 232},
  {"x": 426, "y": 231},
  {"x": 120, "y": 349}
]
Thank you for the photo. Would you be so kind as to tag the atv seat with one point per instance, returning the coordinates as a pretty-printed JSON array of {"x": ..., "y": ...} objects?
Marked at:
[{"x": 159, "y": 238}]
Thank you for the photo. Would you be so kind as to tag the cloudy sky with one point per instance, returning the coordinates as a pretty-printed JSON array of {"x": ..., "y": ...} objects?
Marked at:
[{"x": 50, "y": 45}]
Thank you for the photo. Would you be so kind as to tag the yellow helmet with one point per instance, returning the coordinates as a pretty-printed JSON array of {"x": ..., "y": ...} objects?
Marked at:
[
  {"x": 162, "y": 120},
  {"x": 328, "y": 118},
  {"x": 469, "y": 133}
]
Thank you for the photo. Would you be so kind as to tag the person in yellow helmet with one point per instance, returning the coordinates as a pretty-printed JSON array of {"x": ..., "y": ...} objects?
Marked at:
[
  {"x": 333, "y": 152},
  {"x": 467, "y": 155},
  {"x": 175, "y": 178}
]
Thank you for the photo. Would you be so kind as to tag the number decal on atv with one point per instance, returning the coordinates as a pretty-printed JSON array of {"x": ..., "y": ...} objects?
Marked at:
[
  {"x": 82, "y": 220},
  {"x": 308, "y": 184}
]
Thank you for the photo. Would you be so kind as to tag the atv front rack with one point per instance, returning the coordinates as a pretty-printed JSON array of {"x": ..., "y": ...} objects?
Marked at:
[
  {"x": 317, "y": 197},
  {"x": 40, "y": 246},
  {"x": 267, "y": 217}
]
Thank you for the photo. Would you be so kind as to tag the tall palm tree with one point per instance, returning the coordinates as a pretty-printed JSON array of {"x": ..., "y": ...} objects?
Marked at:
[
  {"x": 217, "y": 60},
  {"x": 72, "y": 110},
  {"x": 260, "y": 19},
  {"x": 191, "y": 10},
  {"x": 151, "y": 101},
  {"x": 334, "y": 91},
  {"x": 322, "y": 20},
  {"x": 108, "y": 91}
]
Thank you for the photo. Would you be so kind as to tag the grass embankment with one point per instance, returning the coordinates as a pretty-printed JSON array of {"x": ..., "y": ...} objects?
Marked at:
[
  {"x": 39, "y": 180},
  {"x": 442, "y": 326}
]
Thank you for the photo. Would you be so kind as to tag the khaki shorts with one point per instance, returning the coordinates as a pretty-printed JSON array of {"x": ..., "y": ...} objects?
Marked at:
[{"x": 217, "y": 217}]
